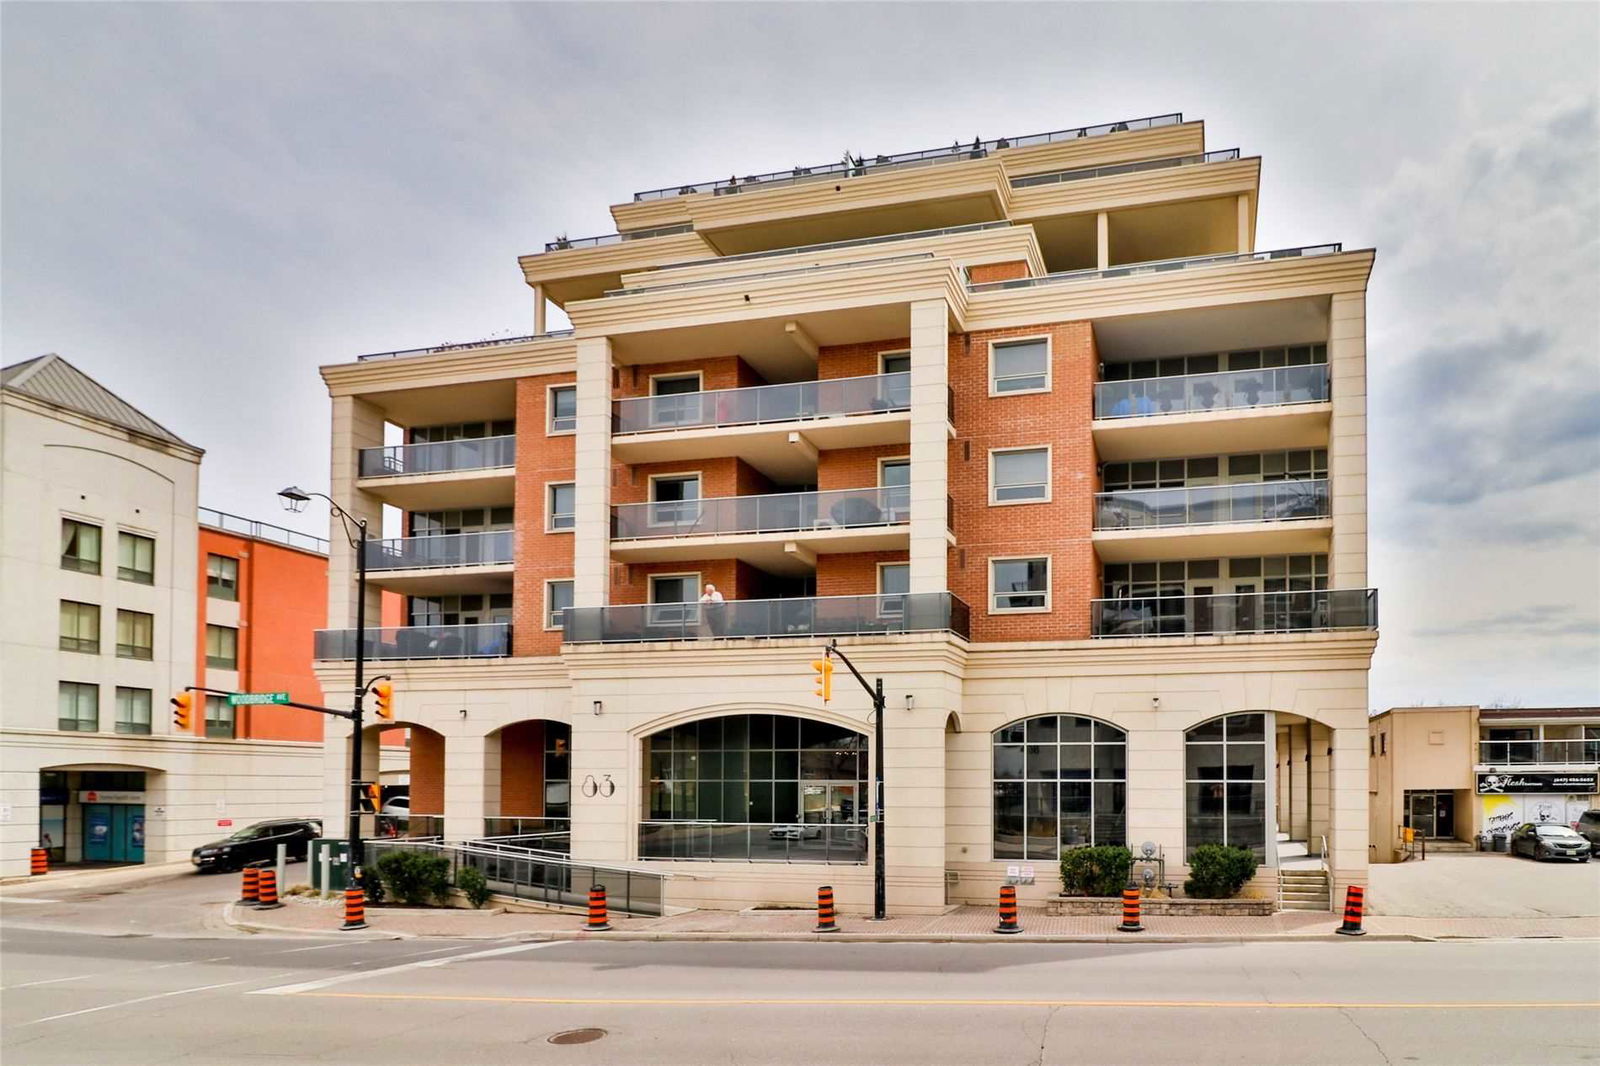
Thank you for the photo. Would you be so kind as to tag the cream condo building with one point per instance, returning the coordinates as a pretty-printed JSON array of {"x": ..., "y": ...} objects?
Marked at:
[{"x": 1029, "y": 426}]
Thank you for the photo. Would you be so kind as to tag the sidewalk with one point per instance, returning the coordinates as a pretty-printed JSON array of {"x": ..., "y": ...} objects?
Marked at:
[{"x": 306, "y": 917}]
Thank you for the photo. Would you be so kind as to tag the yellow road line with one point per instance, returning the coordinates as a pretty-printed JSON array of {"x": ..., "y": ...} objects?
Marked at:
[{"x": 1137, "y": 1003}]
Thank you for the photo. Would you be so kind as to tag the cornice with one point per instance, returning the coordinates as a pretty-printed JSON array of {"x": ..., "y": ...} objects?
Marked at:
[{"x": 554, "y": 355}]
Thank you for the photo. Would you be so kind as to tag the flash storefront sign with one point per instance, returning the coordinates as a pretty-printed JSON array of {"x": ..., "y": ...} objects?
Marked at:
[{"x": 1535, "y": 784}]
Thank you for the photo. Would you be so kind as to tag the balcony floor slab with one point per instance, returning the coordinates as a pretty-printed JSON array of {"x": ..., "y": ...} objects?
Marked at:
[
  {"x": 445, "y": 579},
  {"x": 1239, "y": 429},
  {"x": 1296, "y": 537},
  {"x": 769, "y": 551},
  {"x": 494, "y": 487}
]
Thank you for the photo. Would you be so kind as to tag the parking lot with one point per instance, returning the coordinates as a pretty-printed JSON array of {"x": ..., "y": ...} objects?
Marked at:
[{"x": 1485, "y": 884}]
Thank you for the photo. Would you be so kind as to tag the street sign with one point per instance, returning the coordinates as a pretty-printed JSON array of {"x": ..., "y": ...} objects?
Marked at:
[{"x": 252, "y": 699}]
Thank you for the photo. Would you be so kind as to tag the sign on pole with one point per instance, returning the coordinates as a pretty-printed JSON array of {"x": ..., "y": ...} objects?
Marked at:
[{"x": 252, "y": 699}]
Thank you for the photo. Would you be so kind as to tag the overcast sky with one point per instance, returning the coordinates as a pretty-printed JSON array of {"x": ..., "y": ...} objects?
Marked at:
[{"x": 203, "y": 203}]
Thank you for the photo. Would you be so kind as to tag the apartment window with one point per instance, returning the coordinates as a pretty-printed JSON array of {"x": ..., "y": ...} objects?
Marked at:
[
  {"x": 1225, "y": 783},
  {"x": 1383, "y": 743},
  {"x": 895, "y": 362},
  {"x": 561, "y": 500},
  {"x": 1372, "y": 747},
  {"x": 136, "y": 635},
  {"x": 80, "y": 546},
  {"x": 222, "y": 577},
  {"x": 1019, "y": 584},
  {"x": 675, "y": 501},
  {"x": 136, "y": 558},
  {"x": 564, "y": 409},
  {"x": 465, "y": 609},
  {"x": 674, "y": 599},
  {"x": 1019, "y": 475},
  {"x": 219, "y": 718},
  {"x": 222, "y": 647},
  {"x": 1019, "y": 366},
  {"x": 80, "y": 627},
  {"x": 557, "y": 598},
  {"x": 78, "y": 707},
  {"x": 1059, "y": 782},
  {"x": 894, "y": 584},
  {"x": 133, "y": 710}
]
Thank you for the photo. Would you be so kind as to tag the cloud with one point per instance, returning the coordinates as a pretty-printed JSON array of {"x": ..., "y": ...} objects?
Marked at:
[{"x": 1541, "y": 621}]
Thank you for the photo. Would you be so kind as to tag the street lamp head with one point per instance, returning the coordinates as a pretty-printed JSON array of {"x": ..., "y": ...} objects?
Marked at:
[{"x": 294, "y": 499}]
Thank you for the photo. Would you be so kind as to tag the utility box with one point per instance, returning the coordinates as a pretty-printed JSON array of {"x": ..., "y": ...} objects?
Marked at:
[{"x": 335, "y": 856}]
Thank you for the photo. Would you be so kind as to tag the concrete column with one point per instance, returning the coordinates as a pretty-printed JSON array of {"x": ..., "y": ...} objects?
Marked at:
[
  {"x": 1347, "y": 444},
  {"x": 1245, "y": 243},
  {"x": 357, "y": 424},
  {"x": 1320, "y": 784},
  {"x": 604, "y": 828},
  {"x": 592, "y": 519},
  {"x": 1102, "y": 240},
  {"x": 914, "y": 830},
  {"x": 1156, "y": 788},
  {"x": 538, "y": 309},
  {"x": 1298, "y": 824},
  {"x": 1347, "y": 814},
  {"x": 465, "y": 783},
  {"x": 930, "y": 445}
]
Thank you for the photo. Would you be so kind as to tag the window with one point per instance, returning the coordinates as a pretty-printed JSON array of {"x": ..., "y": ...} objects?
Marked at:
[
  {"x": 564, "y": 409},
  {"x": 80, "y": 626},
  {"x": 894, "y": 584},
  {"x": 675, "y": 501},
  {"x": 133, "y": 710},
  {"x": 465, "y": 609},
  {"x": 674, "y": 598},
  {"x": 1225, "y": 783},
  {"x": 78, "y": 707},
  {"x": 136, "y": 635},
  {"x": 1019, "y": 475},
  {"x": 222, "y": 577},
  {"x": 894, "y": 478},
  {"x": 219, "y": 718},
  {"x": 136, "y": 558},
  {"x": 560, "y": 506},
  {"x": 895, "y": 362},
  {"x": 222, "y": 647},
  {"x": 1019, "y": 584},
  {"x": 1019, "y": 366},
  {"x": 557, "y": 598},
  {"x": 1059, "y": 782},
  {"x": 80, "y": 546},
  {"x": 557, "y": 770},
  {"x": 1383, "y": 743}
]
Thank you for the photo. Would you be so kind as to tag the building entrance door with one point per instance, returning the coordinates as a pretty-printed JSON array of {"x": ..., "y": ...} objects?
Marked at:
[
  {"x": 113, "y": 832},
  {"x": 1431, "y": 814},
  {"x": 1444, "y": 815}
]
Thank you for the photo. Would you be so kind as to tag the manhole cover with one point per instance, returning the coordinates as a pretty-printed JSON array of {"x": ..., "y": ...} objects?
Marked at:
[{"x": 576, "y": 1036}]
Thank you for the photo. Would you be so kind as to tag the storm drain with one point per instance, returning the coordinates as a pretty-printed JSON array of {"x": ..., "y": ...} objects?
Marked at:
[{"x": 576, "y": 1036}]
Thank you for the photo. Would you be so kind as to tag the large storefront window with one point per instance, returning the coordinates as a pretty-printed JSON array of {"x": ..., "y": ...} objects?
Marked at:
[
  {"x": 1225, "y": 783},
  {"x": 1059, "y": 782},
  {"x": 756, "y": 787}
]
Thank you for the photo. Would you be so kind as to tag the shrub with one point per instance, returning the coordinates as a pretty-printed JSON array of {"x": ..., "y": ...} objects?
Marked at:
[
  {"x": 374, "y": 886},
  {"x": 1218, "y": 872},
  {"x": 1096, "y": 871},
  {"x": 473, "y": 885},
  {"x": 415, "y": 878}
]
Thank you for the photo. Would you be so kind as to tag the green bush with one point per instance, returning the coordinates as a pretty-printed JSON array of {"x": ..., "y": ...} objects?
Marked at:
[
  {"x": 415, "y": 878},
  {"x": 1096, "y": 871},
  {"x": 474, "y": 885},
  {"x": 1218, "y": 872},
  {"x": 374, "y": 886}
]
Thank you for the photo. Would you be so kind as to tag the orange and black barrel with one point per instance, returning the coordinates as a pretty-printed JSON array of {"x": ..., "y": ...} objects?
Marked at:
[
  {"x": 1008, "y": 910},
  {"x": 1355, "y": 898},
  {"x": 355, "y": 908},
  {"x": 249, "y": 886},
  {"x": 38, "y": 862},
  {"x": 826, "y": 920},
  {"x": 1130, "y": 912},
  {"x": 597, "y": 910},
  {"x": 267, "y": 891}
]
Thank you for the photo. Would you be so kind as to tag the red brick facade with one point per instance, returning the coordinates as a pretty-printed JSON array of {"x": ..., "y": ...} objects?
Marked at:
[
  {"x": 980, "y": 273},
  {"x": 522, "y": 769},
  {"x": 540, "y": 556}
]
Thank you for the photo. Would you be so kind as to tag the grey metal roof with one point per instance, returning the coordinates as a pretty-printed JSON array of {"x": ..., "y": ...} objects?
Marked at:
[{"x": 55, "y": 381}]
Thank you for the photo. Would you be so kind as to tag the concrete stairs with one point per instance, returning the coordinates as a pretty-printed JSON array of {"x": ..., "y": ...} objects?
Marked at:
[
  {"x": 1302, "y": 884},
  {"x": 1449, "y": 847}
]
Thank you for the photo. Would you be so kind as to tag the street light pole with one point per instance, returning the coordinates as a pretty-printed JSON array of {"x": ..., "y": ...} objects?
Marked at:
[{"x": 880, "y": 881}]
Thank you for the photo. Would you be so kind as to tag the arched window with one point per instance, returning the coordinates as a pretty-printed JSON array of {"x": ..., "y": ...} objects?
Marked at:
[
  {"x": 1225, "y": 783},
  {"x": 759, "y": 787},
  {"x": 1059, "y": 781}
]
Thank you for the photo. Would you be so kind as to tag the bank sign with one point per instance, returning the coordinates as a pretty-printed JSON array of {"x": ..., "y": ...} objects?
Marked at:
[{"x": 1536, "y": 784}]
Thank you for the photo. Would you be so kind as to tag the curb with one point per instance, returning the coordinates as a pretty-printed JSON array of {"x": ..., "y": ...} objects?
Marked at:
[{"x": 231, "y": 913}]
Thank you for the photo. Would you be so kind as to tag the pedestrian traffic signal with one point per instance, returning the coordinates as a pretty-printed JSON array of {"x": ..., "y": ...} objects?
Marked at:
[
  {"x": 824, "y": 669},
  {"x": 383, "y": 692},
  {"x": 183, "y": 711}
]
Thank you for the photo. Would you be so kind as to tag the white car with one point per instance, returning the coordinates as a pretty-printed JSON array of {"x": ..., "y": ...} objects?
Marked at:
[
  {"x": 400, "y": 805},
  {"x": 794, "y": 832}
]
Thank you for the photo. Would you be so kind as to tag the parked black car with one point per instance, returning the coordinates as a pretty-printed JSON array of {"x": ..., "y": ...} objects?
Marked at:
[
  {"x": 1550, "y": 841},
  {"x": 255, "y": 842},
  {"x": 1588, "y": 828}
]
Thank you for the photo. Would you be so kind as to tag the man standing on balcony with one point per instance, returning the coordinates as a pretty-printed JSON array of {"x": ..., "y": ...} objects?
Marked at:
[{"x": 711, "y": 608}]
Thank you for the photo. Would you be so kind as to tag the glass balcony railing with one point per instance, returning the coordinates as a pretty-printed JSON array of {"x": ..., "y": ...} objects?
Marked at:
[
  {"x": 492, "y": 342},
  {"x": 785, "y": 512},
  {"x": 484, "y": 640},
  {"x": 1226, "y": 390},
  {"x": 800, "y": 400},
  {"x": 1204, "y": 505},
  {"x": 1057, "y": 177},
  {"x": 540, "y": 834},
  {"x": 561, "y": 244},
  {"x": 826, "y": 616},
  {"x": 450, "y": 549},
  {"x": 1522, "y": 752},
  {"x": 753, "y": 842},
  {"x": 441, "y": 457},
  {"x": 1234, "y": 612},
  {"x": 1157, "y": 266}
]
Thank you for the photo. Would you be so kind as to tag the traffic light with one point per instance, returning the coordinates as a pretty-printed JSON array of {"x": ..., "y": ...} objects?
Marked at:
[
  {"x": 824, "y": 669},
  {"x": 383, "y": 692},
  {"x": 374, "y": 796},
  {"x": 183, "y": 711}
]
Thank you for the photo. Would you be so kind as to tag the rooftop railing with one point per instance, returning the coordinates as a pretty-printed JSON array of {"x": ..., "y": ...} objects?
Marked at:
[
  {"x": 486, "y": 548},
  {"x": 1583, "y": 752},
  {"x": 439, "y": 457},
  {"x": 1158, "y": 266},
  {"x": 1225, "y": 390},
  {"x": 484, "y": 640},
  {"x": 783, "y": 512},
  {"x": 561, "y": 244},
  {"x": 863, "y": 165},
  {"x": 795, "y": 401},
  {"x": 1058, "y": 176},
  {"x": 1234, "y": 612},
  {"x": 824, "y": 616},
  {"x": 859, "y": 242},
  {"x": 728, "y": 278},
  {"x": 249, "y": 527},
  {"x": 1204, "y": 505},
  {"x": 498, "y": 342}
]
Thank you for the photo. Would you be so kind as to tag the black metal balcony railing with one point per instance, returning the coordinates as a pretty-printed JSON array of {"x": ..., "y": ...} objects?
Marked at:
[
  {"x": 484, "y": 640},
  {"x": 1202, "y": 505},
  {"x": 561, "y": 244},
  {"x": 1234, "y": 612},
  {"x": 1157, "y": 266},
  {"x": 440, "y": 457},
  {"x": 797, "y": 401},
  {"x": 1579, "y": 752},
  {"x": 1189, "y": 393},
  {"x": 826, "y": 616},
  {"x": 1056, "y": 177},
  {"x": 753, "y": 842},
  {"x": 784, "y": 512},
  {"x": 451, "y": 549},
  {"x": 249, "y": 527},
  {"x": 493, "y": 342}
]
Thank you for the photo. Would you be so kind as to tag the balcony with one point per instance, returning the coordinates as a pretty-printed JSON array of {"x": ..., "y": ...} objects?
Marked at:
[
  {"x": 1584, "y": 752},
  {"x": 1244, "y": 613},
  {"x": 1057, "y": 177},
  {"x": 820, "y": 616},
  {"x": 561, "y": 244},
  {"x": 459, "y": 473},
  {"x": 1157, "y": 266},
  {"x": 1236, "y": 410},
  {"x": 487, "y": 640},
  {"x": 453, "y": 562},
  {"x": 1266, "y": 518}
]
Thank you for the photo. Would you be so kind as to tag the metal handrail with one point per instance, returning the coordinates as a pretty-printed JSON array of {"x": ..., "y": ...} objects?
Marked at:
[
  {"x": 249, "y": 527},
  {"x": 1327, "y": 871},
  {"x": 778, "y": 512},
  {"x": 871, "y": 393},
  {"x": 1153, "y": 266},
  {"x": 439, "y": 456},
  {"x": 479, "y": 547},
  {"x": 466, "y": 346},
  {"x": 561, "y": 244},
  {"x": 1112, "y": 169}
]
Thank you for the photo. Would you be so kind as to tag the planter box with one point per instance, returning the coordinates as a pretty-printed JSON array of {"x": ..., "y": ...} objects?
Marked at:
[{"x": 1060, "y": 906}]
